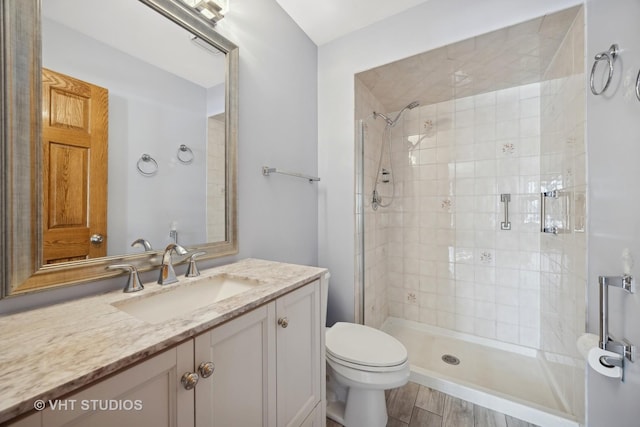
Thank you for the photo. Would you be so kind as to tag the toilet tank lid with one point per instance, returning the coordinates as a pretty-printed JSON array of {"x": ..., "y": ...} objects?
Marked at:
[{"x": 364, "y": 345}]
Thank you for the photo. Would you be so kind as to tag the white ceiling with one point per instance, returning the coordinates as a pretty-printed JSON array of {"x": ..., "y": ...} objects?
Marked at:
[
  {"x": 326, "y": 20},
  {"x": 170, "y": 47}
]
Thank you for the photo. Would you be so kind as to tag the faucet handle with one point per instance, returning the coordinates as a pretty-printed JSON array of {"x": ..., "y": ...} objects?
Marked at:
[
  {"x": 192, "y": 270},
  {"x": 134, "y": 284}
]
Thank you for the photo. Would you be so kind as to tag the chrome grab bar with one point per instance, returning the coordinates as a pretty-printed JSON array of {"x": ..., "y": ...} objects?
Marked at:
[
  {"x": 610, "y": 57},
  {"x": 506, "y": 224}
]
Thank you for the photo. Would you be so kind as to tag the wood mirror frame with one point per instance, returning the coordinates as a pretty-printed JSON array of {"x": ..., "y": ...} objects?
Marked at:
[{"x": 21, "y": 268}]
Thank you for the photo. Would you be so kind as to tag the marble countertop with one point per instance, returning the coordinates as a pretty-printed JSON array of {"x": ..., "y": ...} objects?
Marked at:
[{"x": 52, "y": 351}]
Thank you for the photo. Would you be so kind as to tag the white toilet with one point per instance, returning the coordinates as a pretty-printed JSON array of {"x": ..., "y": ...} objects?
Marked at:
[{"x": 362, "y": 363}]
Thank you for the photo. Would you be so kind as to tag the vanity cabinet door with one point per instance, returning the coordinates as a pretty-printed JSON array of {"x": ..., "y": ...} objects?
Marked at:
[
  {"x": 298, "y": 355},
  {"x": 315, "y": 418},
  {"x": 242, "y": 389},
  {"x": 147, "y": 394},
  {"x": 33, "y": 420}
]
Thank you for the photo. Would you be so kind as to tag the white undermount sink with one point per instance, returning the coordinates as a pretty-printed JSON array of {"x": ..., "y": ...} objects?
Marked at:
[{"x": 185, "y": 298}]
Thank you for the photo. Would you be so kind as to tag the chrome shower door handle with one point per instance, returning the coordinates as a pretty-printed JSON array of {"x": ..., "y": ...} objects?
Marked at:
[{"x": 543, "y": 211}]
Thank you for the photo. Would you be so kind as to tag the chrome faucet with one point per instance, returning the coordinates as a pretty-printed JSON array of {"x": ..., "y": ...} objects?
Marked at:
[
  {"x": 142, "y": 242},
  {"x": 167, "y": 273}
]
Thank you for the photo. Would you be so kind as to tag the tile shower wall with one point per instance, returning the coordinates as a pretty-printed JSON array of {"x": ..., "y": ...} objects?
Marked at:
[
  {"x": 450, "y": 264},
  {"x": 216, "y": 192},
  {"x": 369, "y": 132}
]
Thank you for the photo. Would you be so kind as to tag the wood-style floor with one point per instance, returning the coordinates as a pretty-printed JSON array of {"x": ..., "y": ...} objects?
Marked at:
[{"x": 415, "y": 405}]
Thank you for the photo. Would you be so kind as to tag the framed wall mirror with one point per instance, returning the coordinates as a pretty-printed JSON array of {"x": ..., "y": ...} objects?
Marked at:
[{"x": 118, "y": 123}]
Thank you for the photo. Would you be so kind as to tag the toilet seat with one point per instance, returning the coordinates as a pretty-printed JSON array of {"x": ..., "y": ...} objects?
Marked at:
[
  {"x": 365, "y": 368},
  {"x": 364, "y": 348}
]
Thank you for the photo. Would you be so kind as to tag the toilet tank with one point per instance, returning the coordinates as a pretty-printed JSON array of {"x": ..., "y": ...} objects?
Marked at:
[{"x": 324, "y": 297}]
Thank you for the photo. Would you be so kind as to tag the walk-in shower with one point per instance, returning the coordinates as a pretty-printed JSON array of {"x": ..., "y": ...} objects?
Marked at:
[
  {"x": 499, "y": 114},
  {"x": 386, "y": 175}
]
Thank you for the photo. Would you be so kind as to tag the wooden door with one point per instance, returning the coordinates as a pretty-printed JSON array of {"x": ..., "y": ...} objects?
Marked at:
[{"x": 75, "y": 137}]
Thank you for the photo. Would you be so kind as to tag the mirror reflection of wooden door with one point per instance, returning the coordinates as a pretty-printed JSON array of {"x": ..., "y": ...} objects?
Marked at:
[{"x": 75, "y": 138}]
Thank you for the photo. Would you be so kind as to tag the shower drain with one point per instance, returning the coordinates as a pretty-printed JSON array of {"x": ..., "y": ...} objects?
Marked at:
[{"x": 451, "y": 360}]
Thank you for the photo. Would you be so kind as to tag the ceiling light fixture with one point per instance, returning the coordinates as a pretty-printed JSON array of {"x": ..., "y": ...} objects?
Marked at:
[{"x": 213, "y": 10}]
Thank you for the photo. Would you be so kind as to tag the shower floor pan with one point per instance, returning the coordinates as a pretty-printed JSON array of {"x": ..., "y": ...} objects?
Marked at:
[{"x": 503, "y": 377}]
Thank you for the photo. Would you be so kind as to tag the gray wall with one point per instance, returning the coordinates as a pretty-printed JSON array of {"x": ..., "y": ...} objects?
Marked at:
[
  {"x": 278, "y": 128},
  {"x": 278, "y": 217},
  {"x": 613, "y": 148}
]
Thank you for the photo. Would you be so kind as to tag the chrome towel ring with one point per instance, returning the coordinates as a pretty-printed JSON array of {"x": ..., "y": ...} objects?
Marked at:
[
  {"x": 185, "y": 155},
  {"x": 610, "y": 57},
  {"x": 150, "y": 170}
]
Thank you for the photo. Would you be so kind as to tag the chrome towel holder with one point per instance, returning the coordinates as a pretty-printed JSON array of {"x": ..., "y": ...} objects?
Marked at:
[
  {"x": 185, "y": 155},
  {"x": 144, "y": 159},
  {"x": 610, "y": 57}
]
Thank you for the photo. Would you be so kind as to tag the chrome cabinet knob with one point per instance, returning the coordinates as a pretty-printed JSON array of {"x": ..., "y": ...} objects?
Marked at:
[
  {"x": 96, "y": 239},
  {"x": 189, "y": 380},
  {"x": 283, "y": 321},
  {"x": 206, "y": 369}
]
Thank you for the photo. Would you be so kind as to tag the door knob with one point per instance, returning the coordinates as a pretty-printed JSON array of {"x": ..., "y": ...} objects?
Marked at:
[
  {"x": 283, "y": 321},
  {"x": 189, "y": 380},
  {"x": 206, "y": 369},
  {"x": 96, "y": 239}
]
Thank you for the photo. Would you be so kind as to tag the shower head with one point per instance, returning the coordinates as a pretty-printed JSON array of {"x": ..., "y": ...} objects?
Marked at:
[
  {"x": 390, "y": 122},
  {"x": 386, "y": 119}
]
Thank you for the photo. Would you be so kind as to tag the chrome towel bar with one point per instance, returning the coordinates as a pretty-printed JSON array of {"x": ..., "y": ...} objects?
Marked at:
[{"x": 266, "y": 171}]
